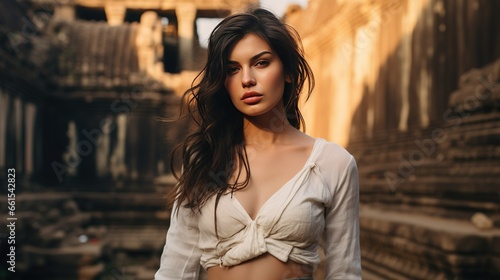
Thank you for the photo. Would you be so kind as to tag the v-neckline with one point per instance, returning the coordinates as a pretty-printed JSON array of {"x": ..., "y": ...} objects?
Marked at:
[{"x": 306, "y": 164}]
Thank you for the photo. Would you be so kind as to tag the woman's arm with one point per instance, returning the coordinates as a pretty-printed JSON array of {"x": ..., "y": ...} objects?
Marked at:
[
  {"x": 342, "y": 228},
  {"x": 181, "y": 256}
]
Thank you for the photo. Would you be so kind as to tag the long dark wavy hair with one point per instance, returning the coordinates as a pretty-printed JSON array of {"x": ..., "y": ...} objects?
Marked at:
[{"x": 215, "y": 150}]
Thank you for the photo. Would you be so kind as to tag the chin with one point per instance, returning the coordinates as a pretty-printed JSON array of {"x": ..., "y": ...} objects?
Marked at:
[{"x": 254, "y": 112}]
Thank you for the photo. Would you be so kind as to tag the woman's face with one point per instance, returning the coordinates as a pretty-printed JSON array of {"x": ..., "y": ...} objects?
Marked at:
[{"x": 255, "y": 76}]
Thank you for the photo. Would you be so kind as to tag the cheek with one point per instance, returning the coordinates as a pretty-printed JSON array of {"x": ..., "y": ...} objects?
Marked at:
[
  {"x": 230, "y": 88},
  {"x": 276, "y": 78},
  {"x": 227, "y": 85},
  {"x": 277, "y": 81}
]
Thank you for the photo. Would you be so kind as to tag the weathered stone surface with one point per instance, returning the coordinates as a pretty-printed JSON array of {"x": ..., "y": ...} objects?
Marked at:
[
  {"x": 427, "y": 201},
  {"x": 427, "y": 245},
  {"x": 391, "y": 65},
  {"x": 89, "y": 57},
  {"x": 108, "y": 230}
]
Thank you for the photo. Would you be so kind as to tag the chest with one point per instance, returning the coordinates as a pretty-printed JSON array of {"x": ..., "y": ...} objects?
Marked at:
[
  {"x": 269, "y": 172},
  {"x": 294, "y": 212}
]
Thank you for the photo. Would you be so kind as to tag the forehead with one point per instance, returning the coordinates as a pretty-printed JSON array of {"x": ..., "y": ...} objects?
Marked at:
[{"x": 248, "y": 46}]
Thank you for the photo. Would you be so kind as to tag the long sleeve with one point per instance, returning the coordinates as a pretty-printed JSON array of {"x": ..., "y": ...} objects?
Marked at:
[
  {"x": 341, "y": 234},
  {"x": 181, "y": 256}
]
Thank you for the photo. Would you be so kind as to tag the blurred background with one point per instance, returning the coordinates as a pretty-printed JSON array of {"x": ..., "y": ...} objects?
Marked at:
[{"x": 409, "y": 87}]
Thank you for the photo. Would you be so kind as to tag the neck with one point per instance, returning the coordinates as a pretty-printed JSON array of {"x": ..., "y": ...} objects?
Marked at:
[{"x": 272, "y": 127}]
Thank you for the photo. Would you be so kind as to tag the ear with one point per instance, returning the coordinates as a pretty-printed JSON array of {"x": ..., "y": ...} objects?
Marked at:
[{"x": 288, "y": 79}]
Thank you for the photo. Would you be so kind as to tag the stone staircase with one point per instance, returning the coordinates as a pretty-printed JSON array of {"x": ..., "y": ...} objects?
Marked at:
[
  {"x": 90, "y": 235},
  {"x": 430, "y": 198}
]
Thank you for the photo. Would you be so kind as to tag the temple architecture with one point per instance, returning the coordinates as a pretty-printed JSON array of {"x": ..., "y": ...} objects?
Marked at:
[{"x": 411, "y": 88}]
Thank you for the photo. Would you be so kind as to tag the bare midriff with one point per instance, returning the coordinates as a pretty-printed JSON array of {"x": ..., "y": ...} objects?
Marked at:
[{"x": 264, "y": 267}]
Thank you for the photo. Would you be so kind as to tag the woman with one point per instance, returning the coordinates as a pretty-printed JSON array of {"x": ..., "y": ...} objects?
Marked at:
[{"x": 256, "y": 194}]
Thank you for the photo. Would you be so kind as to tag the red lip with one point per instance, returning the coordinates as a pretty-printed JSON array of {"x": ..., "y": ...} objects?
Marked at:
[
  {"x": 251, "y": 97},
  {"x": 249, "y": 94}
]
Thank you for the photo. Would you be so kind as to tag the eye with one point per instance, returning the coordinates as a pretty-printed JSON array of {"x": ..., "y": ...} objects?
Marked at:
[
  {"x": 262, "y": 63},
  {"x": 232, "y": 69}
]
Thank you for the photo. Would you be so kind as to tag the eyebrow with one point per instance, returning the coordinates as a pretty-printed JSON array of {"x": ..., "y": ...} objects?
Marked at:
[{"x": 255, "y": 57}]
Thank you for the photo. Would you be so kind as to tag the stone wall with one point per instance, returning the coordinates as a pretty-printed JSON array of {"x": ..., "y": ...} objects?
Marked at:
[
  {"x": 429, "y": 201},
  {"x": 390, "y": 65}
]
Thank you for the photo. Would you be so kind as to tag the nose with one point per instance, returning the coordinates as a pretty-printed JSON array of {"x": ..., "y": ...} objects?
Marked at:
[{"x": 248, "y": 79}]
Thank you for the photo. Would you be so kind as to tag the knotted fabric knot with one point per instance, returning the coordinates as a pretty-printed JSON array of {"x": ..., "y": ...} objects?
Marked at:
[{"x": 254, "y": 245}]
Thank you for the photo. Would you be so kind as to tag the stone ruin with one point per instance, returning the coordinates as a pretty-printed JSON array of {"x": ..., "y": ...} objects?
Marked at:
[
  {"x": 89, "y": 235},
  {"x": 430, "y": 201}
]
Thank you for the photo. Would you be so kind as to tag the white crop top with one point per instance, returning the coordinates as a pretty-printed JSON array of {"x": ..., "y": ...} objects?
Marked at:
[{"x": 319, "y": 203}]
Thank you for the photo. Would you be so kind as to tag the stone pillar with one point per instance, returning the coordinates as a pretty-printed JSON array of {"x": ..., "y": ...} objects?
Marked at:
[
  {"x": 186, "y": 16},
  {"x": 30, "y": 112},
  {"x": 145, "y": 40},
  {"x": 64, "y": 11},
  {"x": 149, "y": 42},
  {"x": 115, "y": 13}
]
